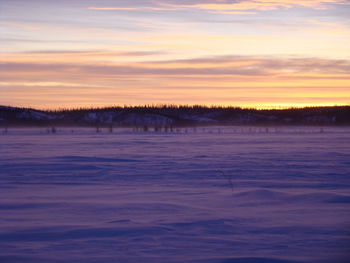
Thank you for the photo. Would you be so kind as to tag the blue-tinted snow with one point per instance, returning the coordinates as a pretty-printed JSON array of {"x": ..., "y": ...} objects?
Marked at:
[{"x": 218, "y": 195}]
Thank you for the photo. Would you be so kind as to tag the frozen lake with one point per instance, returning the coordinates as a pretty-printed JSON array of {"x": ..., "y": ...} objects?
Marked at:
[{"x": 211, "y": 195}]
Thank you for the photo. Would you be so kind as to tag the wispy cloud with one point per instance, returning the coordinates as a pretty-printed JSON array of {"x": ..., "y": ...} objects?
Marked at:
[
  {"x": 77, "y": 56},
  {"x": 258, "y": 4},
  {"x": 225, "y": 6},
  {"x": 208, "y": 51},
  {"x": 132, "y": 8},
  {"x": 22, "y": 26},
  {"x": 230, "y": 66},
  {"x": 90, "y": 53},
  {"x": 234, "y": 80}
]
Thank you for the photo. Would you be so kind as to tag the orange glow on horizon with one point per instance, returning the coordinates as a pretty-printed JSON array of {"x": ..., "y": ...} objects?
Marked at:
[{"x": 260, "y": 53}]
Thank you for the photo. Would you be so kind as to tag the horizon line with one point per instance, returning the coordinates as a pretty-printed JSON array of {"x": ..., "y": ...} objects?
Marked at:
[{"x": 171, "y": 105}]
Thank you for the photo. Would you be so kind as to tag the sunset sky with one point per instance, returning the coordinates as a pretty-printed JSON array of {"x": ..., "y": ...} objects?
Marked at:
[{"x": 262, "y": 53}]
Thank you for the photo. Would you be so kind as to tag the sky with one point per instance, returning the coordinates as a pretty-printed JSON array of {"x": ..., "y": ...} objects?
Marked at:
[{"x": 95, "y": 53}]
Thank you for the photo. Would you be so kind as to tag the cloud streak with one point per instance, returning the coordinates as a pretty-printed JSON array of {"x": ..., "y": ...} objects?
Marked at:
[
  {"x": 225, "y": 6},
  {"x": 193, "y": 51},
  {"x": 222, "y": 65}
]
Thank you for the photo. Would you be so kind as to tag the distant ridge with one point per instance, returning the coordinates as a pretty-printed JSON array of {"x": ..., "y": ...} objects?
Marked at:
[{"x": 172, "y": 115}]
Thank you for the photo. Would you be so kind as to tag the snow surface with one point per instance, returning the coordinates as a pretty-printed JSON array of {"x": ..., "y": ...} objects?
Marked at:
[{"x": 218, "y": 194}]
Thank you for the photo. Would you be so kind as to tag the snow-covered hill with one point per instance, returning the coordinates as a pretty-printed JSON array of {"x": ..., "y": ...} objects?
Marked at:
[{"x": 174, "y": 116}]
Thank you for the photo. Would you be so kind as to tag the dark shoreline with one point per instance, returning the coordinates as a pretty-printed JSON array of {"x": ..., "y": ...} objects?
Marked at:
[{"x": 169, "y": 116}]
